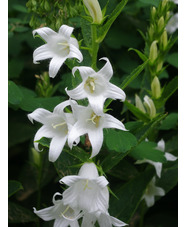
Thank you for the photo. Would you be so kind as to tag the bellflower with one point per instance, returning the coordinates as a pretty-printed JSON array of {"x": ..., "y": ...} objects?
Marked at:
[
  {"x": 151, "y": 192},
  {"x": 104, "y": 220},
  {"x": 158, "y": 165},
  {"x": 88, "y": 191},
  {"x": 62, "y": 214},
  {"x": 56, "y": 125},
  {"x": 59, "y": 46},
  {"x": 172, "y": 24},
  {"x": 92, "y": 124},
  {"x": 96, "y": 86}
]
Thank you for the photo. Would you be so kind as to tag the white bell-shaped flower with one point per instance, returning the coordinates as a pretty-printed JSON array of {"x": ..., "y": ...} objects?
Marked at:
[
  {"x": 62, "y": 214},
  {"x": 96, "y": 86},
  {"x": 104, "y": 220},
  {"x": 87, "y": 191},
  {"x": 59, "y": 46},
  {"x": 151, "y": 192},
  {"x": 158, "y": 165},
  {"x": 56, "y": 126},
  {"x": 92, "y": 124}
]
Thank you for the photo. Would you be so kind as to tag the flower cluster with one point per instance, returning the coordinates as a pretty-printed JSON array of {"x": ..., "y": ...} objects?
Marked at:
[
  {"x": 66, "y": 128},
  {"x": 87, "y": 197}
]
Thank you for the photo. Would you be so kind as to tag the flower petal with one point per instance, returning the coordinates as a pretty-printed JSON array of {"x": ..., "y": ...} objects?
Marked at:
[
  {"x": 85, "y": 71},
  {"x": 115, "y": 92},
  {"x": 170, "y": 157},
  {"x": 149, "y": 199},
  {"x": 96, "y": 102},
  {"x": 61, "y": 222},
  {"x": 102, "y": 181},
  {"x": 41, "y": 53},
  {"x": 112, "y": 122},
  {"x": 117, "y": 222},
  {"x": 45, "y": 33},
  {"x": 59, "y": 109},
  {"x": 107, "y": 70},
  {"x": 39, "y": 115},
  {"x": 75, "y": 53},
  {"x": 74, "y": 42},
  {"x": 44, "y": 131},
  {"x": 66, "y": 31},
  {"x": 56, "y": 147},
  {"x": 55, "y": 65},
  {"x": 96, "y": 139},
  {"x": 161, "y": 145},
  {"x": 89, "y": 220},
  {"x": 75, "y": 133},
  {"x": 77, "y": 93},
  {"x": 159, "y": 191},
  {"x": 70, "y": 180}
]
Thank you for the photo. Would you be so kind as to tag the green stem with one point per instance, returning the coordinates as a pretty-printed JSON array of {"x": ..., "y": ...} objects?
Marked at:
[{"x": 95, "y": 46}]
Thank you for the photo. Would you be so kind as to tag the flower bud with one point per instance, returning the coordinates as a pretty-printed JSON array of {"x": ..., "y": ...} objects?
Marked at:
[
  {"x": 161, "y": 24},
  {"x": 156, "y": 88},
  {"x": 164, "y": 4},
  {"x": 163, "y": 40},
  {"x": 153, "y": 13},
  {"x": 139, "y": 104},
  {"x": 150, "y": 107},
  {"x": 36, "y": 157},
  {"x": 159, "y": 65},
  {"x": 94, "y": 10},
  {"x": 153, "y": 52},
  {"x": 151, "y": 32}
]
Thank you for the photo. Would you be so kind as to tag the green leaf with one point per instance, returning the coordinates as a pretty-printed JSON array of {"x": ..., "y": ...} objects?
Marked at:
[
  {"x": 19, "y": 214},
  {"x": 133, "y": 75},
  {"x": 78, "y": 153},
  {"x": 20, "y": 8},
  {"x": 119, "y": 141},
  {"x": 15, "y": 96},
  {"x": 147, "y": 150},
  {"x": 112, "y": 17},
  {"x": 143, "y": 132},
  {"x": 169, "y": 178},
  {"x": 86, "y": 32},
  {"x": 45, "y": 142},
  {"x": 151, "y": 2},
  {"x": 129, "y": 195},
  {"x": 173, "y": 59},
  {"x": 139, "y": 53},
  {"x": 169, "y": 89},
  {"x": 32, "y": 103},
  {"x": 171, "y": 121},
  {"x": 137, "y": 112},
  {"x": 13, "y": 187}
]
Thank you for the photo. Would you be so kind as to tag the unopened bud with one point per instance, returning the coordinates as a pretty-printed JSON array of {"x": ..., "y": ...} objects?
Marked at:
[
  {"x": 153, "y": 13},
  {"x": 161, "y": 24},
  {"x": 150, "y": 107},
  {"x": 36, "y": 157},
  {"x": 151, "y": 32},
  {"x": 167, "y": 17},
  {"x": 94, "y": 10},
  {"x": 153, "y": 52},
  {"x": 163, "y": 40},
  {"x": 159, "y": 65},
  {"x": 164, "y": 4},
  {"x": 156, "y": 88},
  {"x": 139, "y": 104}
]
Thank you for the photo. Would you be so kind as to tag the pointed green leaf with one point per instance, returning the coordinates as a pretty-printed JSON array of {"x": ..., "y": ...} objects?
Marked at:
[
  {"x": 112, "y": 17},
  {"x": 20, "y": 214},
  {"x": 13, "y": 187},
  {"x": 169, "y": 89},
  {"x": 147, "y": 150},
  {"x": 139, "y": 53},
  {"x": 15, "y": 95},
  {"x": 137, "y": 112}
]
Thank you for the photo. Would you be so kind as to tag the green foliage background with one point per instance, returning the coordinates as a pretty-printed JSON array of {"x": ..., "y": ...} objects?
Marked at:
[{"x": 28, "y": 92}]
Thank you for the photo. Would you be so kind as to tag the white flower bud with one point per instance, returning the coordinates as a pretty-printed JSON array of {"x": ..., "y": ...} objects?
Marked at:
[
  {"x": 94, "y": 10},
  {"x": 156, "y": 87},
  {"x": 150, "y": 107}
]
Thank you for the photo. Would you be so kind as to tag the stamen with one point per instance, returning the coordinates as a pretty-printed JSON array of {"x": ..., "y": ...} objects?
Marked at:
[
  {"x": 94, "y": 119},
  {"x": 62, "y": 213},
  {"x": 90, "y": 84},
  {"x": 57, "y": 125},
  {"x": 86, "y": 186}
]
